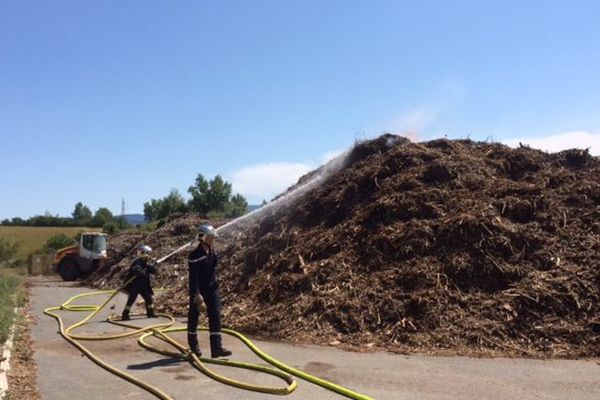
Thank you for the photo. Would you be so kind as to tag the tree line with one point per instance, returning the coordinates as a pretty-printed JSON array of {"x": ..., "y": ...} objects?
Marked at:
[
  {"x": 213, "y": 198},
  {"x": 81, "y": 216}
]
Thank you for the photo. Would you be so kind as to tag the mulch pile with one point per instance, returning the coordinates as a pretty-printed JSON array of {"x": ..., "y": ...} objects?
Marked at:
[
  {"x": 440, "y": 247},
  {"x": 176, "y": 232}
]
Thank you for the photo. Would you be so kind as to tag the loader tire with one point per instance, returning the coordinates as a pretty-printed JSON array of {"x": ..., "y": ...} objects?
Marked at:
[{"x": 69, "y": 269}]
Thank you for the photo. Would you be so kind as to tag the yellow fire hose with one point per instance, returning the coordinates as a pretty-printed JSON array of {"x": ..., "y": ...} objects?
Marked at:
[{"x": 161, "y": 331}]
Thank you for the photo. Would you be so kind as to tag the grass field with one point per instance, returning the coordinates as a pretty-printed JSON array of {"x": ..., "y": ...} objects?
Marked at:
[
  {"x": 11, "y": 295},
  {"x": 33, "y": 238}
]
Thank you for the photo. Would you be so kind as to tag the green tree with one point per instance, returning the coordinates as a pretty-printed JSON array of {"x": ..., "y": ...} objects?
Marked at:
[
  {"x": 16, "y": 221},
  {"x": 236, "y": 207},
  {"x": 121, "y": 223},
  {"x": 82, "y": 215},
  {"x": 151, "y": 209},
  {"x": 110, "y": 227},
  {"x": 102, "y": 216},
  {"x": 161, "y": 208},
  {"x": 48, "y": 220},
  {"x": 212, "y": 196},
  {"x": 115, "y": 225},
  {"x": 199, "y": 200},
  {"x": 57, "y": 242},
  {"x": 219, "y": 194},
  {"x": 8, "y": 250}
]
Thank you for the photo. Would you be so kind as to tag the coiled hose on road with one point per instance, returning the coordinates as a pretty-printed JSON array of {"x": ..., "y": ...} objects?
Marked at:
[{"x": 161, "y": 331}]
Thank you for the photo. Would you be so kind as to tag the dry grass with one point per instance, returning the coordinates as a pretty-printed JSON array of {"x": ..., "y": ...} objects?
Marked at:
[
  {"x": 11, "y": 296},
  {"x": 33, "y": 238}
]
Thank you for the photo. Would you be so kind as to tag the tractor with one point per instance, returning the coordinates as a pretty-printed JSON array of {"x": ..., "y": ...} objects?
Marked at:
[{"x": 80, "y": 260}]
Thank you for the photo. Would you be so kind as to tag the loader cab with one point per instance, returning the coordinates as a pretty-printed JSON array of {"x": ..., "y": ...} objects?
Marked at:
[{"x": 92, "y": 245}]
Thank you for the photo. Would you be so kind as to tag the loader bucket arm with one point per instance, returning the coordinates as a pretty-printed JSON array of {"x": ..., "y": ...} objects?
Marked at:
[{"x": 62, "y": 253}]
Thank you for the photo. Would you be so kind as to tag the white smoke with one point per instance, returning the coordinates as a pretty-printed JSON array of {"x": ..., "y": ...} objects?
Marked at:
[{"x": 331, "y": 167}]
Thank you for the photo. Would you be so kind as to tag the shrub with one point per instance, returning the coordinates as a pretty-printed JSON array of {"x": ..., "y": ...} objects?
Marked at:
[
  {"x": 8, "y": 250},
  {"x": 57, "y": 242}
]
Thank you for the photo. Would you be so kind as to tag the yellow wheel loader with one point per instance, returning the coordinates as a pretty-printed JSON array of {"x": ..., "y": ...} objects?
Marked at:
[{"x": 80, "y": 260}]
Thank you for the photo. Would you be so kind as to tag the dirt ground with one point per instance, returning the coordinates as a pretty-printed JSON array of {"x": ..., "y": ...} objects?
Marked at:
[
  {"x": 22, "y": 376},
  {"x": 440, "y": 247}
]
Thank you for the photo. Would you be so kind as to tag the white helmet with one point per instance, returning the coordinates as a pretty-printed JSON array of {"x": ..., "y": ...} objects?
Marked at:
[
  {"x": 144, "y": 250},
  {"x": 205, "y": 230}
]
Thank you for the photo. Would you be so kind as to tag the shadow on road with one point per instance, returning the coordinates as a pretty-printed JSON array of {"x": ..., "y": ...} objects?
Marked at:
[{"x": 158, "y": 363}]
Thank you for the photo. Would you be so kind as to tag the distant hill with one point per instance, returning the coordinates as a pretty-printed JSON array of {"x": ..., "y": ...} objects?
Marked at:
[
  {"x": 253, "y": 207},
  {"x": 135, "y": 219}
]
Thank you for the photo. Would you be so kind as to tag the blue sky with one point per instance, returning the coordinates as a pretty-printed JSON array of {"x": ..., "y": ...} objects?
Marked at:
[{"x": 107, "y": 100}]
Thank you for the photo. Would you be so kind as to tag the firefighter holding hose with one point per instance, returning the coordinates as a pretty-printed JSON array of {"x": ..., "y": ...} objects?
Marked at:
[
  {"x": 202, "y": 263},
  {"x": 140, "y": 270}
]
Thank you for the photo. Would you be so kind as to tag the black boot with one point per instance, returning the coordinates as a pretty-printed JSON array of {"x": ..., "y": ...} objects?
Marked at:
[
  {"x": 125, "y": 315},
  {"x": 150, "y": 312},
  {"x": 216, "y": 347},
  {"x": 193, "y": 343},
  {"x": 196, "y": 351}
]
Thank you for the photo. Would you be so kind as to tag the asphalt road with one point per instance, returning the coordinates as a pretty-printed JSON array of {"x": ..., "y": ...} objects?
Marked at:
[{"x": 63, "y": 373}]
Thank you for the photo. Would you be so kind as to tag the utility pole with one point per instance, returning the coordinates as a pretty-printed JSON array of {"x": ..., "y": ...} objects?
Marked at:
[{"x": 122, "y": 207}]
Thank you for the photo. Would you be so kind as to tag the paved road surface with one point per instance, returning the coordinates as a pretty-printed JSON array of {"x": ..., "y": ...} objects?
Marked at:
[{"x": 64, "y": 374}]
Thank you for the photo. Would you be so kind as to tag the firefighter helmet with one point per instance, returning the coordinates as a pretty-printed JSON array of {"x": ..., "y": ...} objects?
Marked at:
[
  {"x": 144, "y": 250},
  {"x": 206, "y": 230}
]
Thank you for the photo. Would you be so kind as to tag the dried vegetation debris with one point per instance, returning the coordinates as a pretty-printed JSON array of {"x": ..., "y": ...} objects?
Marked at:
[
  {"x": 440, "y": 246},
  {"x": 22, "y": 376}
]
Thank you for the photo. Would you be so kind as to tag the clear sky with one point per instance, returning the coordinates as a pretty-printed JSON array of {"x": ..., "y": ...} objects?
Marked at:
[{"x": 127, "y": 99}]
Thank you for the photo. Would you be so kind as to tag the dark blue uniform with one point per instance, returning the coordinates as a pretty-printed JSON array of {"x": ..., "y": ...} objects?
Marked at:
[
  {"x": 203, "y": 280},
  {"x": 140, "y": 270}
]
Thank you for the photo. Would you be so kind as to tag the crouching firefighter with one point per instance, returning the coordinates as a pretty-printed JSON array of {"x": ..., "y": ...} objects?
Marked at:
[
  {"x": 202, "y": 263},
  {"x": 140, "y": 271}
]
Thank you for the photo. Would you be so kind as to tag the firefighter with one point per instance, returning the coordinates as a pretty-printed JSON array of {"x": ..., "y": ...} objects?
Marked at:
[
  {"x": 140, "y": 270},
  {"x": 202, "y": 263}
]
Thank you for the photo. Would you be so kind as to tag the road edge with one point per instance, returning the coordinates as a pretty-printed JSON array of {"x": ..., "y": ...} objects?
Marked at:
[{"x": 6, "y": 353}]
